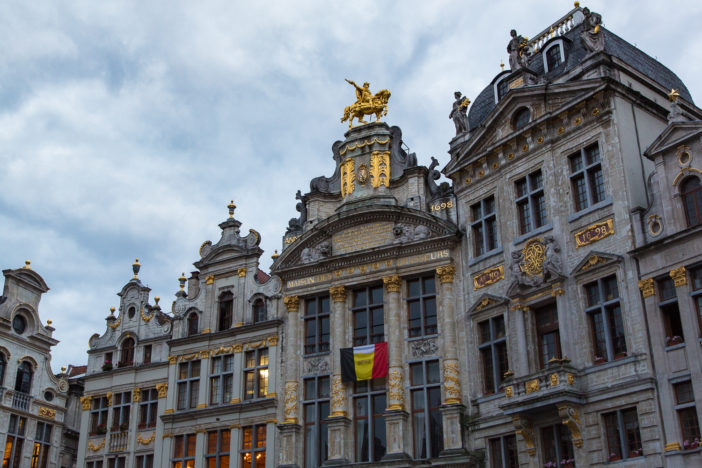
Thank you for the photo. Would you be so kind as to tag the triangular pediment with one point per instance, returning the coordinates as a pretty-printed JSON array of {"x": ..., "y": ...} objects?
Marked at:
[
  {"x": 674, "y": 134},
  {"x": 594, "y": 261},
  {"x": 487, "y": 301}
]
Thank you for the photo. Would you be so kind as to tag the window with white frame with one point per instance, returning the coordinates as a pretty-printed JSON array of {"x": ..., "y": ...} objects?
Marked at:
[
  {"x": 188, "y": 384},
  {"x": 256, "y": 374},
  {"x": 221, "y": 379}
]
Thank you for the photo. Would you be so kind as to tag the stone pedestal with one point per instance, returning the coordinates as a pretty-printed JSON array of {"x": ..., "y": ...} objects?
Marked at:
[
  {"x": 339, "y": 441},
  {"x": 290, "y": 436},
  {"x": 452, "y": 430},
  {"x": 397, "y": 433}
]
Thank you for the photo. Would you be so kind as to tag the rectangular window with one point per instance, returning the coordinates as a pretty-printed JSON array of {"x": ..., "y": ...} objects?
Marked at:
[
  {"x": 696, "y": 286},
  {"x": 256, "y": 374},
  {"x": 144, "y": 461},
  {"x": 369, "y": 424},
  {"x": 316, "y": 411},
  {"x": 42, "y": 444},
  {"x": 121, "y": 404},
  {"x": 484, "y": 226},
  {"x": 183, "y": 451},
  {"x": 226, "y": 311},
  {"x": 607, "y": 327},
  {"x": 425, "y": 390},
  {"x": 557, "y": 445},
  {"x": 148, "y": 408},
  {"x": 548, "y": 334},
  {"x": 368, "y": 316},
  {"x": 317, "y": 325},
  {"x": 147, "y": 354},
  {"x": 586, "y": 177},
  {"x": 98, "y": 415},
  {"x": 253, "y": 446},
  {"x": 687, "y": 414},
  {"x": 503, "y": 452},
  {"x": 493, "y": 352},
  {"x": 93, "y": 464},
  {"x": 217, "y": 455},
  {"x": 188, "y": 384},
  {"x": 623, "y": 437},
  {"x": 14, "y": 442},
  {"x": 670, "y": 313},
  {"x": 117, "y": 462},
  {"x": 221, "y": 379},
  {"x": 531, "y": 205},
  {"x": 421, "y": 304}
]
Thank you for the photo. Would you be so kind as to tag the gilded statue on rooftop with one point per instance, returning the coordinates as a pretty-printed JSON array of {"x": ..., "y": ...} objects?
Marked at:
[{"x": 366, "y": 104}]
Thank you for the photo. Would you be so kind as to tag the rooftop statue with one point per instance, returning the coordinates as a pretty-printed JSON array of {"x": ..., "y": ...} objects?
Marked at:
[
  {"x": 366, "y": 104},
  {"x": 518, "y": 51},
  {"x": 592, "y": 38},
  {"x": 458, "y": 112}
]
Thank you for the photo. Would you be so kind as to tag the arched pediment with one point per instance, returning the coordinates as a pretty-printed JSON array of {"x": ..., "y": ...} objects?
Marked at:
[{"x": 363, "y": 229}]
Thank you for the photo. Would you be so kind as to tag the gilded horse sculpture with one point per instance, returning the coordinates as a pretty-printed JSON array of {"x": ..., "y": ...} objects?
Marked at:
[{"x": 366, "y": 104}]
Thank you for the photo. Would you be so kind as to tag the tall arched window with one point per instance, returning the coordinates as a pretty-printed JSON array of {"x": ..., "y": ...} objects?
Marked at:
[
  {"x": 259, "y": 311},
  {"x": 226, "y": 309},
  {"x": 23, "y": 382},
  {"x": 192, "y": 324},
  {"x": 691, "y": 191},
  {"x": 3, "y": 365},
  {"x": 126, "y": 357}
]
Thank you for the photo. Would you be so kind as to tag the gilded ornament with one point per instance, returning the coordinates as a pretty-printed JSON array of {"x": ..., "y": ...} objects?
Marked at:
[
  {"x": 485, "y": 302},
  {"x": 571, "y": 419},
  {"x": 570, "y": 379},
  {"x": 168, "y": 411},
  {"x": 592, "y": 261},
  {"x": 672, "y": 446},
  {"x": 136, "y": 395},
  {"x": 594, "y": 233},
  {"x": 683, "y": 171},
  {"x": 679, "y": 276},
  {"x": 396, "y": 393},
  {"x": 561, "y": 130},
  {"x": 380, "y": 168},
  {"x": 532, "y": 386},
  {"x": 201, "y": 406},
  {"x": 271, "y": 395},
  {"x": 290, "y": 402},
  {"x": 47, "y": 413},
  {"x": 172, "y": 359},
  {"x": 97, "y": 447},
  {"x": 481, "y": 173},
  {"x": 655, "y": 226},
  {"x": 683, "y": 154},
  {"x": 238, "y": 347},
  {"x": 495, "y": 165},
  {"x": 452, "y": 384},
  {"x": 446, "y": 273},
  {"x": 86, "y": 402},
  {"x": 148, "y": 440},
  {"x": 525, "y": 148},
  {"x": 209, "y": 279},
  {"x": 167, "y": 435},
  {"x": 146, "y": 318},
  {"x": 533, "y": 254},
  {"x": 673, "y": 95},
  {"x": 468, "y": 180},
  {"x": 162, "y": 389},
  {"x": 338, "y": 397},
  {"x": 292, "y": 303},
  {"x": 364, "y": 144},
  {"x": 241, "y": 272},
  {"x": 578, "y": 120},
  {"x": 647, "y": 287},
  {"x": 366, "y": 104},
  {"x": 204, "y": 354},
  {"x": 338, "y": 293},
  {"x": 116, "y": 324},
  {"x": 272, "y": 340},
  {"x": 510, "y": 156},
  {"x": 509, "y": 391},
  {"x": 595, "y": 111},
  {"x": 488, "y": 276},
  {"x": 524, "y": 429},
  {"x": 347, "y": 177},
  {"x": 362, "y": 174},
  {"x": 235, "y": 400},
  {"x": 109, "y": 398},
  {"x": 553, "y": 378},
  {"x": 392, "y": 283}
]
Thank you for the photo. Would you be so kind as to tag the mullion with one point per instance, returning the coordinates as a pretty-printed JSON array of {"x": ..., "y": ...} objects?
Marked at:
[{"x": 606, "y": 321}]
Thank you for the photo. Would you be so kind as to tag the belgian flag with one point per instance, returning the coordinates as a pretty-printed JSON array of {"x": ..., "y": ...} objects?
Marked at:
[{"x": 364, "y": 362}]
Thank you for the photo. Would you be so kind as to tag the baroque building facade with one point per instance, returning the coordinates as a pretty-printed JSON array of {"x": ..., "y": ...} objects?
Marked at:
[
  {"x": 542, "y": 309},
  {"x": 38, "y": 423}
]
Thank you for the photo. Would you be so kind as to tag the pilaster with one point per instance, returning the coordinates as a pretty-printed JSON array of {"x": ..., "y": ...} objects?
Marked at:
[{"x": 290, "y": 440}]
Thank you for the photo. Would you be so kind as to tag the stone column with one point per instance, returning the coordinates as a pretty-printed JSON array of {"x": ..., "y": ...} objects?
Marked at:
[
  {"x": 339, "y": 422},
  {"x": 396, "y": 416},
  {"x": 451, "y": 409},
  {"x": 290, "y": 438}
]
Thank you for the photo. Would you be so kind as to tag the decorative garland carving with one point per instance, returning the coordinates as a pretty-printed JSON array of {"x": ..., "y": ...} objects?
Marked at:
[
  {"x": 97, "y": 447},
  {"x": 143, "y": 441},
  {"x": 116, "y": 324},
  {"x": 290, "y": 402},
  {"x": 146, "y": 318}
]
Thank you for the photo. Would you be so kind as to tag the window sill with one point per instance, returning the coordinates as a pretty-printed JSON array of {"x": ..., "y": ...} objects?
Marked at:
[
  {"x": 675, "y": 346},
  {"x": 321, "y": 353},
  {"x": 423, "y": 337},
  {"x": 545, "y": 228},
  {"x": 606, "y": 202},
  {"x": 608, "y": 364},
  {"x": 485, "y": 256}
]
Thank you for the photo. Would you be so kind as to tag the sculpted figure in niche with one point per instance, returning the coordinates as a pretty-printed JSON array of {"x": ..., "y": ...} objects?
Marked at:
[
  {"x": 312, "y": 254},
  {"x": 516, "y": 269},
  {"x": 518, "y": 53},
  {"x": 592, "y": 37},
  {"x": 436, "y": 191},
  {"x": 458, "y": 112}
]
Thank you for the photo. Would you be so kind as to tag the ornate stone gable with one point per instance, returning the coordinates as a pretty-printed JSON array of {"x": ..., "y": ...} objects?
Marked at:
[{"x": 595, "y": 260}]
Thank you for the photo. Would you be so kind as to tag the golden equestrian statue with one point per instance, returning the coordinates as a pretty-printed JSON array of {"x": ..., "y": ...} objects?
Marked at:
[{"x": 366, "y": 104}]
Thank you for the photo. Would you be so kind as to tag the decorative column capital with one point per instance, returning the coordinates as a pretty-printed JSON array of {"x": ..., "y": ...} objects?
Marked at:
[
  {"x": 646, "y": 287},
  {"x": 292, "y": 303},
  {"x": 162, "y": 389},
  {"x": 136, "y": 395},
  {"x": 446, "y": 273},
  {"x": 86, "y": 401},
  {"x": 338, "y": 293},
  {"x": 241, "y": 272},
  {"x": 392, "y": 283},
  {"x": 679, "y": 276}
]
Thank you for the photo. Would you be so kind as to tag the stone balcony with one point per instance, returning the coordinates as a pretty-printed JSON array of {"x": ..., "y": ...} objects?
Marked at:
[{"x": 558, "y": 384}]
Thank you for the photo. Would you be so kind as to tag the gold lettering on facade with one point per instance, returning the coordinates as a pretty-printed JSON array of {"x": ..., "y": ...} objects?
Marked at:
[
  {"x": 594, "y": 233},
  {"x": 362, "y": 237},
  {"x": 488, "y": 277}
]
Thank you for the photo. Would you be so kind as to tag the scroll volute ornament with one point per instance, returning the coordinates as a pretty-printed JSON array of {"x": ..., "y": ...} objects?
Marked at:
[
  {"x": 572, "y": 420},
  {"x": 338, "y": 293},
  {"x": 524, "y": 428},
  {"x": 292, "y": 303},
  {"x": 446, "y": 273},
  {"x": 392, "y": 283}
]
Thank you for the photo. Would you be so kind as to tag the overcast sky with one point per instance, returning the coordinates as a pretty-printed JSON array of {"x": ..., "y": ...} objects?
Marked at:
[{"x": 126, "y": 127}]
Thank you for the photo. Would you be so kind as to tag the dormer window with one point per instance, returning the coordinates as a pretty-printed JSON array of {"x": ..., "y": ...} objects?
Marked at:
[
  {"x": 226, "y": 310},
  {"x": 521, "y": 118},
  {"x": 501, "y": 89},
  {"x": 553, "y": 55},
  {"x": 23, "y": 382},
  {"x": 126, "y": 357},
  {"x": 259, "y": 311},
  {"x": 691, "y": 192},
  {"x": 19, "y": 324},
  {"x": 192, "y": 324}
]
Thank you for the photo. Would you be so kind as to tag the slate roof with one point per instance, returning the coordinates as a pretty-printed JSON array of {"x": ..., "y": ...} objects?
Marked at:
[{"x": 575, "y": 52}]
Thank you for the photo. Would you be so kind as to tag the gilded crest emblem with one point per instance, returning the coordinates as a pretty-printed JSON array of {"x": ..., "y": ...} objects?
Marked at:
[{"x": 533, "y": 254}]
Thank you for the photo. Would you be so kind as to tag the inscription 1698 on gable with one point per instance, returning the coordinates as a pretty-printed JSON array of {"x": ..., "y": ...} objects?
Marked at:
[{"x": 362, "y": 237}]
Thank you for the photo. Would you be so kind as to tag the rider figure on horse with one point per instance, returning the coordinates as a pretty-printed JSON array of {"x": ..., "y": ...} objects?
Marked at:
[{"x": 363, "y": 95}]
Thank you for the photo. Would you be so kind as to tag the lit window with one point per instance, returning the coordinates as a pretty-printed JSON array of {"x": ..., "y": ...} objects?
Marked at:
[
  {"x": 14, "y": 442},
  {"x": 217, "y": 455},
  {"x": 253, "y": 446},
  {"x": 183, "y": 451},
  {"x": 256, "y": 374},
  {"x": 42, "y": 444}
]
